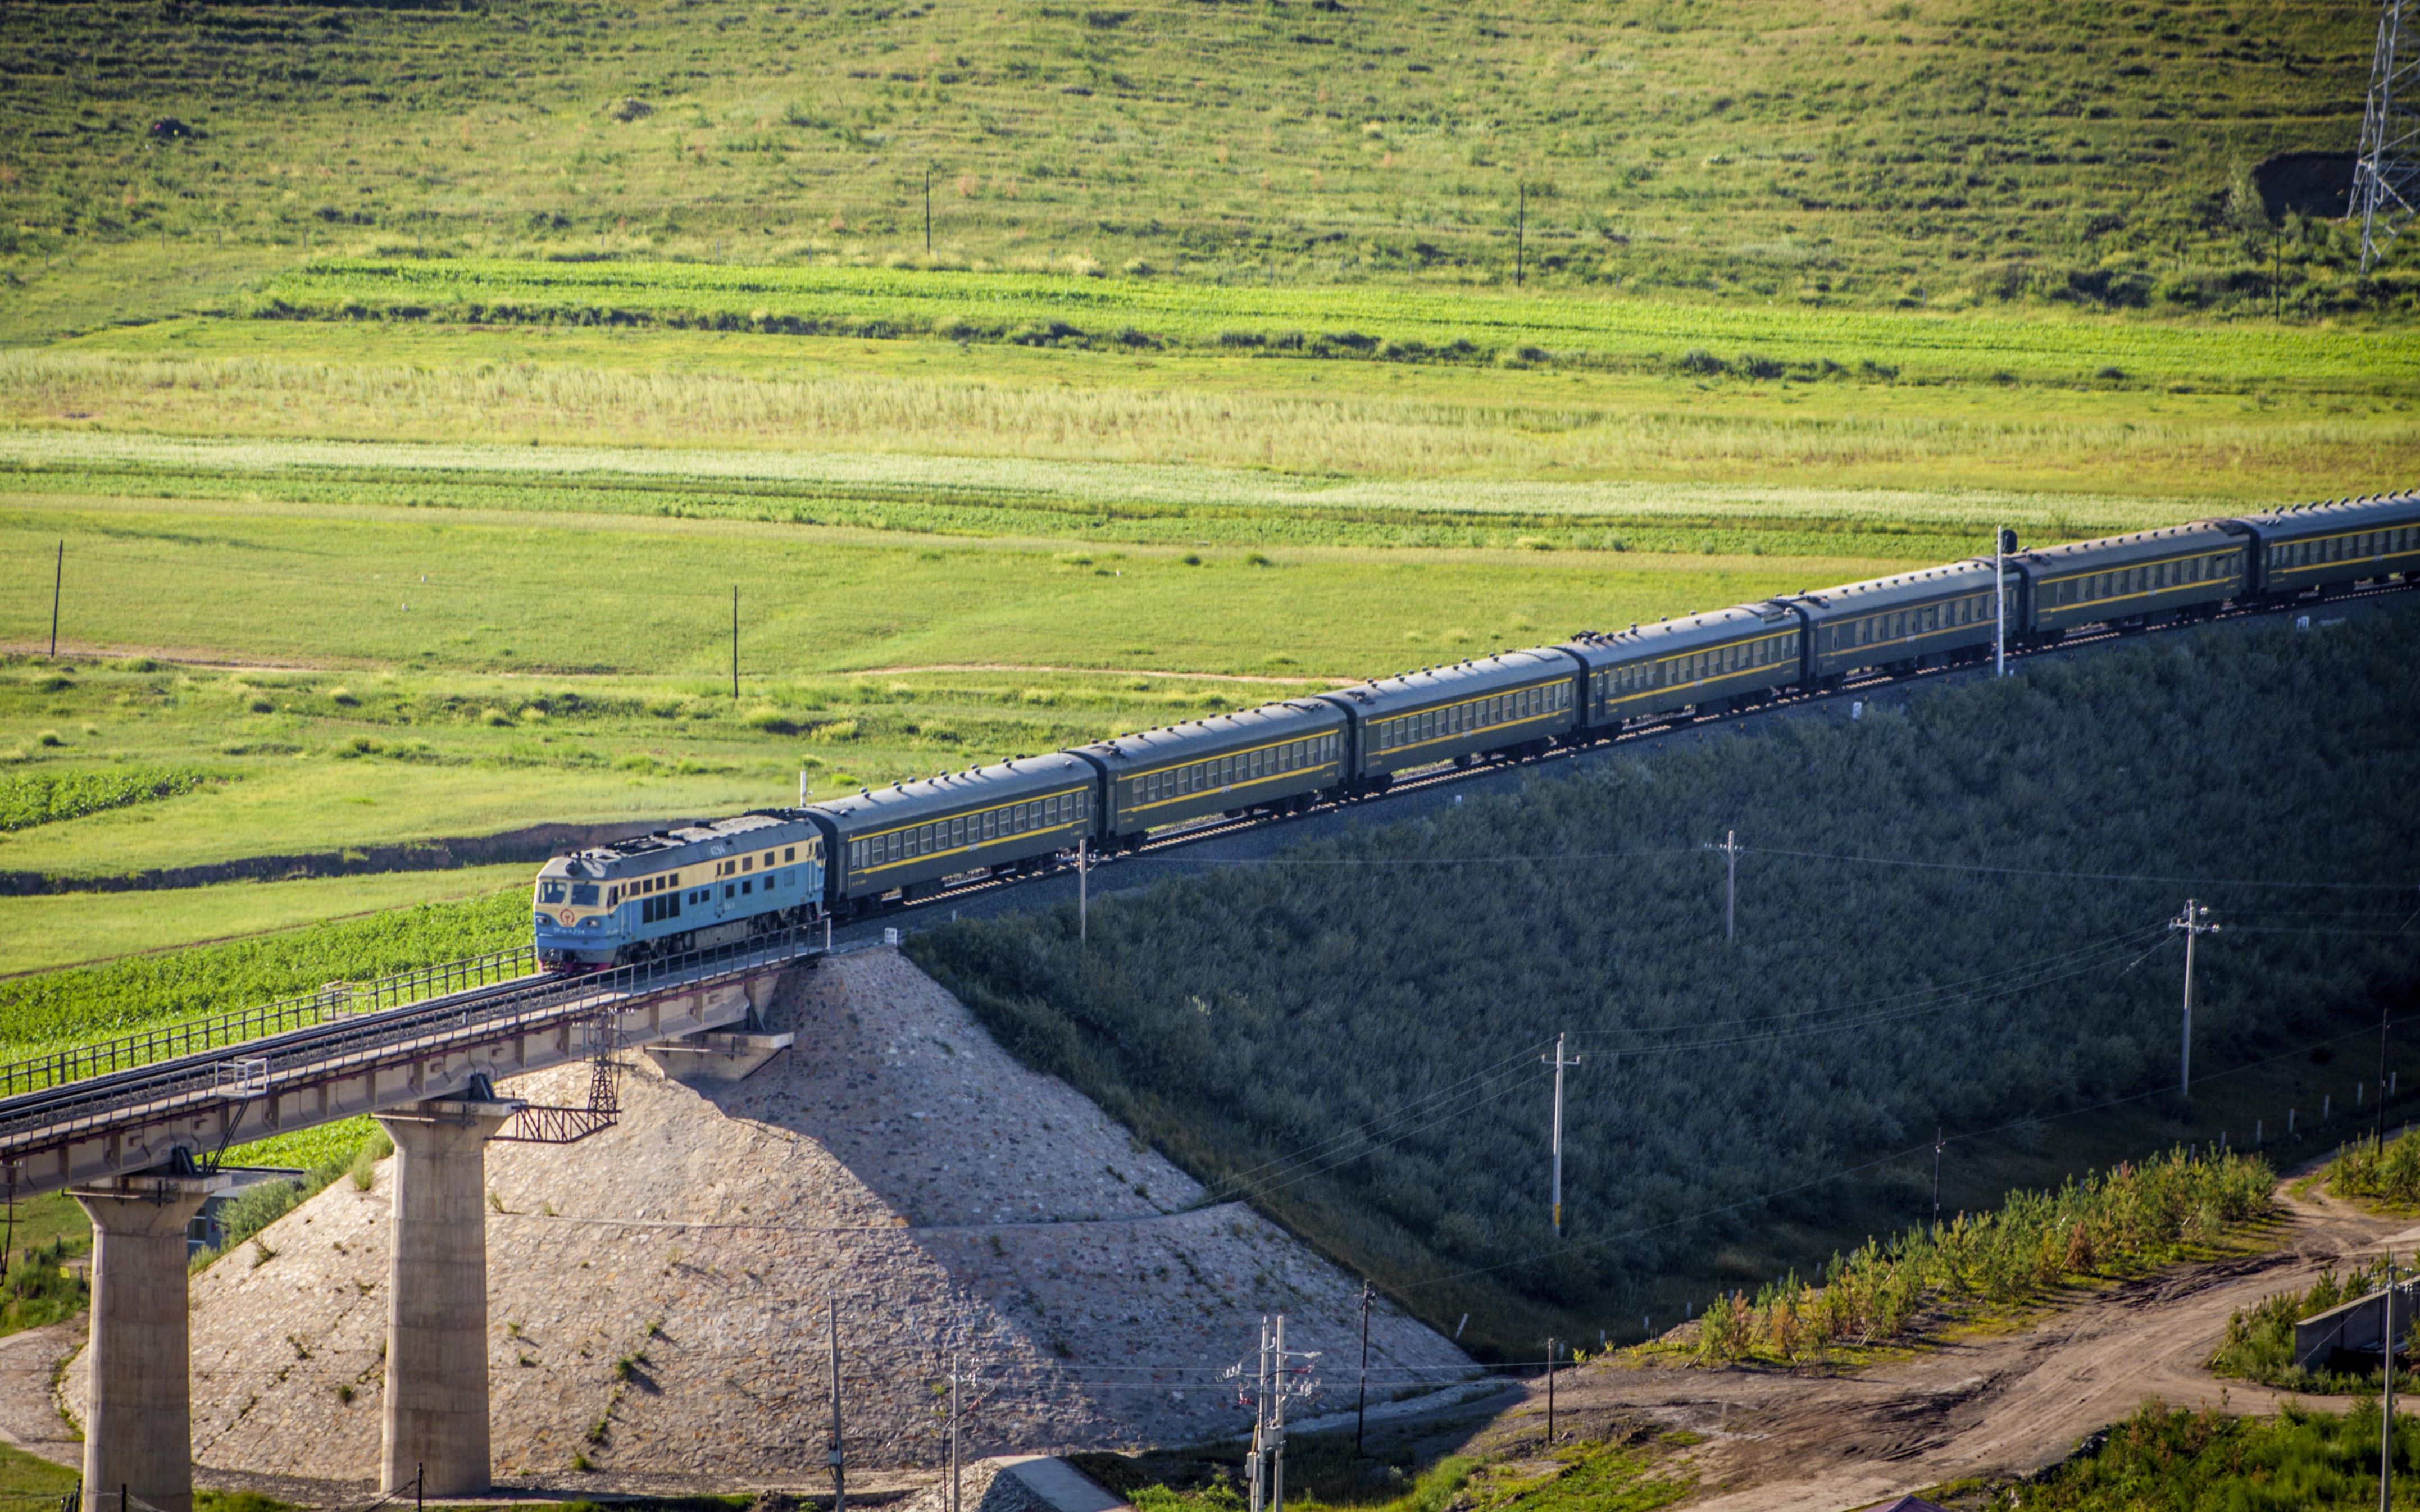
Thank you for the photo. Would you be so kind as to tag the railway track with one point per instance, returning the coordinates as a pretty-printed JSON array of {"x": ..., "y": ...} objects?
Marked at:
[
  {"x": 235, "y": 1072},
  {"x": 1449, "y": 775},
  {"x": 545, "y": 994}
]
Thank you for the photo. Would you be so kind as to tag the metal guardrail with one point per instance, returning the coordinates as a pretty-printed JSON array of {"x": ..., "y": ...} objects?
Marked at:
[
  {"x": 32, "y": 1120},
  {"x": 339, "y": 999}
]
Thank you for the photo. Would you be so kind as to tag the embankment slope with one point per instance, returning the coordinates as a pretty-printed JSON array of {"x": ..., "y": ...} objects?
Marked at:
[{"x": 657, "y": 1293}]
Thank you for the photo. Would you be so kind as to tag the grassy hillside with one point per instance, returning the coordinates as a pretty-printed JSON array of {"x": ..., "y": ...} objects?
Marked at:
[
  {"x": 1348, "y": 1035},
  {"x": 1921, "y": 152}
]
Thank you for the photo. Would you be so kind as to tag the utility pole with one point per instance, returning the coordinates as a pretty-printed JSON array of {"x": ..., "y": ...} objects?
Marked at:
[
  {"x": 1730, "y": 849},
  {"x": 2381, "y": 1075},
  {"x": 954, "y": 1431},
  {"x": 1083, "y": 891},
  {"x": 1559, "y": 1062},
  {"x": 929, "y": 209},
  {"x": 2191, "y": 922},
  {"x": 1277, "y": 1423},
  {"x": 2003, "y": 541},
  {"x": 1520, "y": 230},
  {"x": 734, "y": 642},
  {"x": 840, "y": 1483},
  {"x": 1550, "y": 1394},
  {"x": 1360, "y": 1409},
  {"x": 1258, "y": 1467},
  {"x": 1938, "y": 1143},
  {"x": 58, "y": 576},
  {"x": 2276, "y": 273},
  {"x": 2386, "y": 1405}
]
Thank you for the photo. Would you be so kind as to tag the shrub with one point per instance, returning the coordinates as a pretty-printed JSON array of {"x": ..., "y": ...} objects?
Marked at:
[
  {"x": 2123, "y": 1221},
  {"x": 365, "y": 1160},
  {"x": 39, "y": 1290},
  {"x": 1334, "y": 1001},
  {"x": 2163, "y": 1457},
  {"x": 2390, "y": 1175}
]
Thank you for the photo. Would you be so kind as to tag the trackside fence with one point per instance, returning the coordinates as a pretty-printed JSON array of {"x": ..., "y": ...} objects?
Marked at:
[
  {"x": 336, "y": 1000},
  {"x": 30, "y": 1121}
]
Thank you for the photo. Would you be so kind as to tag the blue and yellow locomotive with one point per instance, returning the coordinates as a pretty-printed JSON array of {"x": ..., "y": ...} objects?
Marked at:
[{"x": 678, "y": 890}]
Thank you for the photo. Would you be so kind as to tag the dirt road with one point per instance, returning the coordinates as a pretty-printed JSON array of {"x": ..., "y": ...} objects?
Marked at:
[{"x": 1780, "y": 1442}]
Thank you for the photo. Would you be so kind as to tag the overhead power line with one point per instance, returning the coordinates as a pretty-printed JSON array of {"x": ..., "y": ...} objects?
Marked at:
[
  {"x": 1842, "y": 1173},
  {"x": 1635, "y": 851}
]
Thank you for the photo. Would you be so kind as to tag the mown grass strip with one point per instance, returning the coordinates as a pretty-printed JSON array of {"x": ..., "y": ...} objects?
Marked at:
[{"x": 1344, "y": 322}]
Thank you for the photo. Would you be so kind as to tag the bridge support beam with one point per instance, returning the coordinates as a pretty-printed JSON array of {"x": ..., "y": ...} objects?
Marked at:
[
  {"x": 435, "y": 1417},
  {"x": 718, "y": 1058},
  {"x": 139, "y": 1430}
]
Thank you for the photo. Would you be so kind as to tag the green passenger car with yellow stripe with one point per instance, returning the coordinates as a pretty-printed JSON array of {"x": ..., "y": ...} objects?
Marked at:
[
  {"x": 1727, "y": 658},
  {"x": 2346, "y": 542},
  {"x": 2178, "y": 573},
  {"x": 1929, "y": 618},
  {"x": 906, "y": 838},
  {"x": 1508, "y": 704},
  {"x": 1272, "y": 759}
]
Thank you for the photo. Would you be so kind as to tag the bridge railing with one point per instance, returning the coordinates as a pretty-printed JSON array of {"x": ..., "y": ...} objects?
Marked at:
[
  {"x": 336, "y": 1000},
  {"x": 347, "y": 1043}
]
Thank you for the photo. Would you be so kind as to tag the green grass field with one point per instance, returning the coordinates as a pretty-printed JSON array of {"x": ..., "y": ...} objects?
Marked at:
[
  {"x": 1344, "y": 323},
  {"x": 1875, "y": 152},
  {"x": 408, "y": 423},
  {"x": 44, "y": 933}
]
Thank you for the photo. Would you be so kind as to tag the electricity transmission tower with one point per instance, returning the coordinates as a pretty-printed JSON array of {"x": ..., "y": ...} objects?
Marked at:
[{"x": 2386, "y": 174}]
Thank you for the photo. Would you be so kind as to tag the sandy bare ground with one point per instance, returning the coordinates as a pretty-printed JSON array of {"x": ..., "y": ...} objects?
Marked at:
[
  {"x": 29, "y": 1407},
  {"x": 2007, "y": 1404}
]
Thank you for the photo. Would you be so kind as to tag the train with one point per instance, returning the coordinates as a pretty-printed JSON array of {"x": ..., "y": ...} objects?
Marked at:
[{"x": 700, "y": 886}]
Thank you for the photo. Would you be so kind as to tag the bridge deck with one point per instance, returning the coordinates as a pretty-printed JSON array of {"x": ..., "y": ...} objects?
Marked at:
[{"x": 141, "y": 1117}]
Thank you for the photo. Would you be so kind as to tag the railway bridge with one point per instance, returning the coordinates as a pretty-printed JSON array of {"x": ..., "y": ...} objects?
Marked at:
[{"x": 133, "y": 1129}]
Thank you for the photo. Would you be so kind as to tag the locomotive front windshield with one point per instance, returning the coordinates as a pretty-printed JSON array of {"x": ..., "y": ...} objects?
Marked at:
[{"x": 549, "y": 890}]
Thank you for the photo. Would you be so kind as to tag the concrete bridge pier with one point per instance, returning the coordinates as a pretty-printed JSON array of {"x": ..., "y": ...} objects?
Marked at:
[
  {"x": 435, "y": 1417},
  {"x": 139, "y": 1429}
]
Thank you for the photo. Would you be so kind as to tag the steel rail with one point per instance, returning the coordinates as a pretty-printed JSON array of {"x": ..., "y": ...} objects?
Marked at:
[
  {"x": 338, "y": 999},
  {"x": 1444, "y": 774},
  {"x": 329, "y": 1010},
  {"x": 34, "y": 1121}
]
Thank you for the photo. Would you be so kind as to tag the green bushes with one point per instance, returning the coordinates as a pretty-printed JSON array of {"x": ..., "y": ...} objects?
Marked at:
[
  {"x": 262, "y": 1204},
  {"x": 40, "y": 1288},
  {"x": 2126, "y": 1220},
  {"x": 1379, "y": 997},
  {"x": 45, "y": 797},
  {"x": 2169, "y": 1458},
  {"x": 2390, "y": 1177},
  {"x": 2259, "y": 1343}
]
